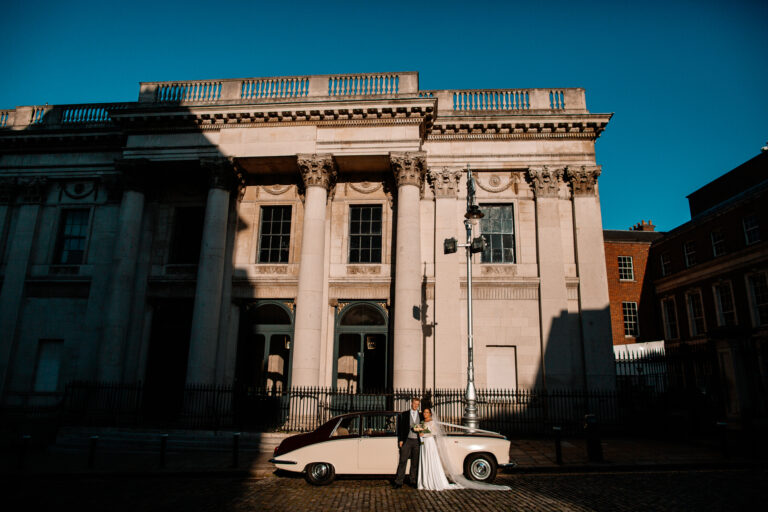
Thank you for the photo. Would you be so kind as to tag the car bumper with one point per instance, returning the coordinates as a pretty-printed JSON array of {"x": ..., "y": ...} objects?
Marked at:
[{"x": 285, "y": 462}]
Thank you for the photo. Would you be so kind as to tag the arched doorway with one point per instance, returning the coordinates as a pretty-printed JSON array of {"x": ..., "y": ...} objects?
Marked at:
[
  {"x": 264, "y": 347},
  {"x": 361, "y": 352}
]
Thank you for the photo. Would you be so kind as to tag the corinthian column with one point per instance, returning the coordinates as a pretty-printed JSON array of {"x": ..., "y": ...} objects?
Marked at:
[
  {"x": 203, "y": 343},
  {"x": 318, "y": 172},
  {"x": 32, "y": 192},
  {"x": 557, "y": 351},
  {"x": 448, "y": 366},
  {"x": 409, "y": 169},
  {"x": 124, "y": 255},
  {"x": 599, "y": 367}
]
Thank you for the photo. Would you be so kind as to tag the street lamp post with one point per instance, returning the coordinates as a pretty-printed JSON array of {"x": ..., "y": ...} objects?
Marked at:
[{"x": 472, "y": 246}]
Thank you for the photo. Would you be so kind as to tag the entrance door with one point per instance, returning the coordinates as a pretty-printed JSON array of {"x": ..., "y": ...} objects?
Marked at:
[{"x": 361, "y": 363}]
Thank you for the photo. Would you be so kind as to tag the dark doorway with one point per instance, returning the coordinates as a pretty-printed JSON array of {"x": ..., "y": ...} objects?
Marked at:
[
  {"x": 361, "y": 361},
  {"x": 166, "y": 371}
]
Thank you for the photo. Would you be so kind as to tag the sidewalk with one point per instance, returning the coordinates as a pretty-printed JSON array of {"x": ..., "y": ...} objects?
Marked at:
[{"x": 214, "y": 455}]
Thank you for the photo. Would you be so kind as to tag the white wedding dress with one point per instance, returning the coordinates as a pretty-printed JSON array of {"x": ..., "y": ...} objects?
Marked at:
[{"x": 431, "y": 472}]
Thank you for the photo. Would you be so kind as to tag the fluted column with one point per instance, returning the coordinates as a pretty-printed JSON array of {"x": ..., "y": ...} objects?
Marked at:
[
  {"x": 599, "y": 367},
  {"x": 557, "y": 351},
  {"x": 409, "y": 169},
  {"x": 32, "y": 192},
  {"x": 450, "y": 344},
  {"x": 203, "y": 343},
  {"x": 128, "y": 238},
  {"x": 318, "y": 172}
]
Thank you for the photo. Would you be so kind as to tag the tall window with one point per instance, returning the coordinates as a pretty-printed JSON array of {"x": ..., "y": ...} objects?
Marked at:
[
  {"x": 726, "y": 312},
  {"x": 275, "y": 234},
  {"x": 187, "y": 235},
  {"x": 48, "y": 365},
  {"x": 626, "y": 269},
  {"x": 758, "y": 295},
  {"x": 629, "y": 310},
  {"x": 695, "y": 313},
  {"x": 751, "y": 229},
  {"x": 365, "y": 234},
  {"x": 73, "y": 231},
  {"x": 666, "y": 264},
  {"x": 718, "y": 243},
  {"x": 498, "y": 228},
  {"x": 670, "y": 318},
  {"x": 689, "y": 251}
]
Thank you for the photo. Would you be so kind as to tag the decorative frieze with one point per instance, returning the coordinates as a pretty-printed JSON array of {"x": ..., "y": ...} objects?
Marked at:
[
  {"x": 317, "y": 170},
  {"x": 497, "y": 182},
  {"x": 505, "y": 292},
  {"x": 78, "y": 190},
  {"x": 365, "y": 187},
  {"x": 363, "y": 270},
  {"x": 409, "y": 168},
  {"x": 498, "y": 270},
  {"x": 583, "y": 179},
  {"x": 445, "y": 183},
  {"x": 545, "y": 180}
]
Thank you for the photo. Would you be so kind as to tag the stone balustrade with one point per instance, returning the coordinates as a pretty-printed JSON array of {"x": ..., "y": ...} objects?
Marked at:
[{"x": 303, "y": 88}]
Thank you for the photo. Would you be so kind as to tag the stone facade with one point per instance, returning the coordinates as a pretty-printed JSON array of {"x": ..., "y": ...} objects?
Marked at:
[{"x": 289, "y": 231}]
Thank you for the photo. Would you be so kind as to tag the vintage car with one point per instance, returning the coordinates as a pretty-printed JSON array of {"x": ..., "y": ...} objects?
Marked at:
[{"x": 365, "y": 443}]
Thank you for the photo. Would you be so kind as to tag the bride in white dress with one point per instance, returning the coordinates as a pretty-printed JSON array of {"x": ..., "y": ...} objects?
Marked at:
[{"x": 435, "y": 466}]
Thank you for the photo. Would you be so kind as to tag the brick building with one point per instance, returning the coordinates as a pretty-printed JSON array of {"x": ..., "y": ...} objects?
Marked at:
[
  {"x": 632, "y": 304},
  {"x": 710, "y": 278}
]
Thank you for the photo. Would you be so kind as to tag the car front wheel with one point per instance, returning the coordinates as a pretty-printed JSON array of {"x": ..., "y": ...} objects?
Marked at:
[
  {"x": 320, "y": 473},
  {"x": 480, "y": 467}
]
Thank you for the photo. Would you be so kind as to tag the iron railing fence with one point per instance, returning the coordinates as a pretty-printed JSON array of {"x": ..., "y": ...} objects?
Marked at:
[{"x": 300, "y": 409}]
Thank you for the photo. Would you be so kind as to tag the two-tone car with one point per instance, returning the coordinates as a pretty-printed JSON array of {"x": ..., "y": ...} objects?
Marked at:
[{"x": 365, "y": 443}]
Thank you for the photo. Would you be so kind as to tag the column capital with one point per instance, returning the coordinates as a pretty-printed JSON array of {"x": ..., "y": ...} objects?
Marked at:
[
  {"x": 583, "y": 178},
  {"x": 545, "y": 180},
  {"x": 134, "y": 173},
  {"x": 409, "y": 168},
  {"x": 32, "y": 189},
  {"x": 317, "y": 170},
  {"x": 445, "y": 182},
  {"x": 223, "y": 173}
]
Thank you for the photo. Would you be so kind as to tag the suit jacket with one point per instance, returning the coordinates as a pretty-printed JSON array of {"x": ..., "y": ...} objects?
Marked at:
[{"x": 404, "y": 424}]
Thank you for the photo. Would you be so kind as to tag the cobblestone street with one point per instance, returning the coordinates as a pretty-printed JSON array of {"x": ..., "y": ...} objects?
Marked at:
[{"x": 659, "y": 490}]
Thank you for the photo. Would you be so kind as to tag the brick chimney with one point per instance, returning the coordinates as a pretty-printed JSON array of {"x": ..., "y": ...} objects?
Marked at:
[{"x": 644, "y": 226}]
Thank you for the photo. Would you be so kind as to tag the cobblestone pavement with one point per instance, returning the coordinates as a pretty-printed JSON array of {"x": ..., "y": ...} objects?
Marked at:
[{"x": 659, "y": 490}]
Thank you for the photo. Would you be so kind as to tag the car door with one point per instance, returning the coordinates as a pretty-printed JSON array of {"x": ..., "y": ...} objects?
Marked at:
[
  {"x": 378, "y": 452},
  {"x": 341, "y": 448}
]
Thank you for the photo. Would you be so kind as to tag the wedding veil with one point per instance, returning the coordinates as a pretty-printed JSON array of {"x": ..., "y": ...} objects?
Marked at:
[{"x": 456, "y": 474}]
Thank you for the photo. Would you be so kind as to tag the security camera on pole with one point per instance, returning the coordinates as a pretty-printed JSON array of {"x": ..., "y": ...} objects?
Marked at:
[{"x": 472, "y": 246}]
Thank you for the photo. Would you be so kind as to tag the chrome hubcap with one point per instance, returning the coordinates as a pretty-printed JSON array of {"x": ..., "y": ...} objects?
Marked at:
[
  {"x": 319, "y": 471},
  {"x": 480, "y": 469}
]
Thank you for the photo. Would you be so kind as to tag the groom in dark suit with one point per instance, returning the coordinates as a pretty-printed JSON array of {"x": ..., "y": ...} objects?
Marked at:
[{"x": 409, "y": 443}]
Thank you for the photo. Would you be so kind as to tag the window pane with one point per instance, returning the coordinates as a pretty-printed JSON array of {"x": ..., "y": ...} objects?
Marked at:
[
  {"x": 365, "y": 234},
  {"x": 72, "y": 237},
  {"x": 275, "y": 240},
  {"x": 48, "y": 365},
  {"x": 497, "y": 227},
  {"x": 629, "y": 311}
]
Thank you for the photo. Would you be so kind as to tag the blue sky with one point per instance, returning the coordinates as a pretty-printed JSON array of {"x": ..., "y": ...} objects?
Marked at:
[{"x": 687, "y": 80}]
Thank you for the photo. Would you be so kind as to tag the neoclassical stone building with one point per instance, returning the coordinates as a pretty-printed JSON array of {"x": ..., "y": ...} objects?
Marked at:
[{"x": 289, "y": 231}]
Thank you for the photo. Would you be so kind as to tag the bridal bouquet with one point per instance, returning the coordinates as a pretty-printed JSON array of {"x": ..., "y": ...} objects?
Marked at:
[{"x": 420, "y": 428}]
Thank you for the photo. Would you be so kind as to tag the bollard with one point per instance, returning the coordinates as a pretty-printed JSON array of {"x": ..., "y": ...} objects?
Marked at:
[
  {"x": 163, "y": 447},
  {"x": 558, "y": 445},
  {"x": 722, "y": 427},
  {"x": 235, "y": 449},
  {"x": 594, "y": 448},
  {"x": 23, "y": 449},
  {"x": 92, "y": 451}
]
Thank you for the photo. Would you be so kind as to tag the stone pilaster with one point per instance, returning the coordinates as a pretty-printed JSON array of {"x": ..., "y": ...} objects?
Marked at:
[
  {"x": 318, "y": 174},
  {"x": 557, "y": 349},
  {"x": 593, "y": 281},
  {"x": 448, "y": 362},
  {"x": 128, "y": 239},
  {"x": 206, "y": 313},
  {"x": 31, "y": 192},
  {"x": 409, "y": 170}
]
